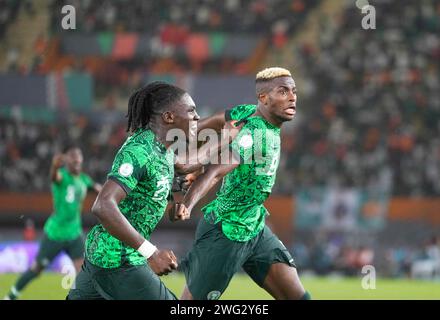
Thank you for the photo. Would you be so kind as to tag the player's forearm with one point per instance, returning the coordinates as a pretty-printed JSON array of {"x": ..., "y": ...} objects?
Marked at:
[
  {"x": 215, "y": 122},
  {"x": 116, "y": 224},
  {"x": 54, "y": 174},
  {"x": 187, "y": 168},
  {"x": 211, "y": 151},
  {"x": 200, "y": 188},
  {"x": 196, "y": 160},
  {"x": 57, "y": 163}
]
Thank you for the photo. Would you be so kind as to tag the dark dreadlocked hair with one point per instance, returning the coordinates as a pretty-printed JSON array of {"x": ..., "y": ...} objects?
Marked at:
[{"x": 148, "y": 100}]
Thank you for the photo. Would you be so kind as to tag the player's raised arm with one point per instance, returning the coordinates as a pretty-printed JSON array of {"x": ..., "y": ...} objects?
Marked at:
[
  {"x": 107, "y": 211},
  {"x": 92, "y": 185},
  {"x": 218, "y": 120},
  {"x": 215, "y": 122},
  {"x": 200, "y": 187},
  {"x": 190, "y": 178},
  {"x": 195, "y": 161},
  {"x": 57, "y": 162}
]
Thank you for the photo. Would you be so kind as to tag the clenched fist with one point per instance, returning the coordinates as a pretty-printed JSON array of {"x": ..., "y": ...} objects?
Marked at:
[
  {"x": 163, "y": 262},
  {"x": 178, "y": 211}
]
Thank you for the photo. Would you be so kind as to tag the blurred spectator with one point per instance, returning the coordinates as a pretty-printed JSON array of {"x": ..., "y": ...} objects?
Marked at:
[
  {"x": 29, "y": 233},
  {"x": 301, "y": 256},
  {"x": 8, "y": 12},
  {"x": 12, "y": 60},
  {"x": 398, "y": 262},
  {"x": 427, "y": 264}
]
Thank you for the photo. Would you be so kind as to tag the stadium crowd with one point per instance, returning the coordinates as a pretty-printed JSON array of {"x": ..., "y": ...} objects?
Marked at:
[
  {"x": 373, "y": 117},
  {"x": 26, "y": 149},
  {"x": 179, "y": 17},
  {"x": 203, "y": 25},
  {"x": 8, "y": 12},
  {"x": 372, "y": 96},
  {"x": 332, "y": 254}
]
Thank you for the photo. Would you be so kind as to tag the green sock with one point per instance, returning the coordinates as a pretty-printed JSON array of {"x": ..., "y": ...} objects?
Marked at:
[{"x": 306, "y": 296}]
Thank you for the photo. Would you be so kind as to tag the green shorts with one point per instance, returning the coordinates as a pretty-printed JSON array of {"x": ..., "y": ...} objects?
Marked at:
[
  {"x": 214, "y": 259},
  {"x": 49, "y": 249},
  {"x": 125, "y": 283}
]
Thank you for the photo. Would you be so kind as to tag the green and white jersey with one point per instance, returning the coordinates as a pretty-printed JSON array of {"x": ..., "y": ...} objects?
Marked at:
[
  {"x": 144, "y": 168},
  {"x": 68, "y": 197},
  {"x": 239, "y": 203}
]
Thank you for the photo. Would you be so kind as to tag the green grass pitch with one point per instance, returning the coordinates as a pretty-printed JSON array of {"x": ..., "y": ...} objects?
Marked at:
[{"x": 48, "y": 287}]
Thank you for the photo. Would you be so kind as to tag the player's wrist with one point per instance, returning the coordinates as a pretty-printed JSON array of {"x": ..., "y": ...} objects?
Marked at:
[
  {"x": 188, "y": 206},
  {"x": 147, "y": 249}
]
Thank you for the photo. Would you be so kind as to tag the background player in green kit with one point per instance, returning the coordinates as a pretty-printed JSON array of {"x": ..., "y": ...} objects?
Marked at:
[
  {"x": 62, "y": 231},
  {"x": 134, "y": 199},
  {"x": 233, "y": 233}
]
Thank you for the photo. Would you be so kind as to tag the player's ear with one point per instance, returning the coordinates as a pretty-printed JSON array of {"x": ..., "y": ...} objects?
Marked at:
[
  {"x": 168, "y": 117},
  {"x": 262, "y": 97}
]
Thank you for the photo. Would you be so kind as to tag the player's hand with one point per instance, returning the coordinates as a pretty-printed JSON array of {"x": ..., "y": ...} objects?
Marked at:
[
  {"x": 231, "y": 129},
  {"x": 58, "y": 160},
  {"x": 182, "y": 212},
  {"x": 179, "y": 212},
  {"x": 190, "y": 178},
  {"x": 188, "y": 181},
  {"x": 177, "y": 184},
  {"x": 162, "y": 262},
  {"x": 182, "y": 183}
]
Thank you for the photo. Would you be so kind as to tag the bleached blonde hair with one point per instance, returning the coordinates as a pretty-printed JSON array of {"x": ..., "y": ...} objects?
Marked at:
[{"x": 271, "y": 73}]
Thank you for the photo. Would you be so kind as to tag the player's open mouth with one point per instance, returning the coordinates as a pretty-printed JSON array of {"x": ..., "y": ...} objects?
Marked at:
[{"x": 291, "y": 111}]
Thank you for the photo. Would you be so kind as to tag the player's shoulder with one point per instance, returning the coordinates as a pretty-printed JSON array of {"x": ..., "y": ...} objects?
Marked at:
[
  {"x": 64, "y": 172},
  {"x": 255, "y": 122},
  {"x": 139, "y": 142},
  {"x": 244, "y": 108},
  {"x": 257, "y": 128},
  {"x": 142, "y": 148},
  {"x": 248, "y": 132},
  {"x": 241, "y": 111}
]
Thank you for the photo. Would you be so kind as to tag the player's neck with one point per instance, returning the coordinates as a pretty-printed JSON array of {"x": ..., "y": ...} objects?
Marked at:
[
  {"x": 160, "y": 132},
  {"x": 268, "y": 117}
]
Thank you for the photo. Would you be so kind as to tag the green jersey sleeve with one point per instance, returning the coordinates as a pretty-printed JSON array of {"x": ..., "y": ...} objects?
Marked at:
[
  {"x": 64, "y": 176},
  {"x": 129, "y": 167},
  {"x": 88, "y": 181},
  {"x": 240, "y": 112}
]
